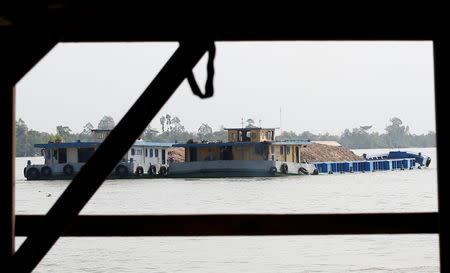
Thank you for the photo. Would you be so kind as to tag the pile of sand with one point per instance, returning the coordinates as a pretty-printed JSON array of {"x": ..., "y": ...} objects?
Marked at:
[
  {"x": 177, "y": 153},
  {"x": 316, "y": 152}
]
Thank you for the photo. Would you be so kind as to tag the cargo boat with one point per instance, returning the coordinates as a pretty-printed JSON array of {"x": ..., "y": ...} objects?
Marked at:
[
  {"x": 63, "y": 160},
  {"x": 249, "y": 152},
  {"x": 252, "y": 152}
]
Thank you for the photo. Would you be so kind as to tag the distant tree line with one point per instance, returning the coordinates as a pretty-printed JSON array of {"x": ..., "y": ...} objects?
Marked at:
[
  {"x": 396, "y": 135},
  {"x": 172, "y": 130}
]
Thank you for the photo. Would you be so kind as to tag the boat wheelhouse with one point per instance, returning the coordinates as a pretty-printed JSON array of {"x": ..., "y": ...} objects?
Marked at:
[
  {"x": 248, "y": 152},
  {"x": 63, "y": 160}
]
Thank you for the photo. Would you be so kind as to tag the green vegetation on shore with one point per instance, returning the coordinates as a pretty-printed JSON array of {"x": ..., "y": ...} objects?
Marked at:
[{"x": 396, "y": 135}]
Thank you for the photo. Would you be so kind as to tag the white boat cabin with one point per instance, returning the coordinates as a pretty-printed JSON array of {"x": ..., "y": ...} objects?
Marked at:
[{"x": 67, "y": 158}]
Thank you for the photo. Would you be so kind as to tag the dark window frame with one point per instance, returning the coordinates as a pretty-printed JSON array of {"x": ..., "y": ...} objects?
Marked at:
[
  {"x": 84, "y": 154},
  {"x": 62, "y": 155}
]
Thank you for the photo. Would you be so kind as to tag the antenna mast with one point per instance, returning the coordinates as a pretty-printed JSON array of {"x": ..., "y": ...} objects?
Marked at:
[{"x": 280, "y": 121}]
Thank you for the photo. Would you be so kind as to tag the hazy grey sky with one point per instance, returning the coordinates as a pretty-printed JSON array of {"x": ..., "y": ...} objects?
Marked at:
[{"x": 320, "y": 86}]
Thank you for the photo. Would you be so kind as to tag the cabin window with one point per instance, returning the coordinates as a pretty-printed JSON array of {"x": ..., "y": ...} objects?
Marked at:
[
  {"x": 132, "y": 151},
  {"x": 226, "y": 152},
  {"x": 273, "y": 149},
  {"x": 84, "y": 154},
  {"x": 193, "y": 154},
  {"x": 146, "y": 152},
  {"x": 55, "y": 154},
  {"x": 253, "y": 135},
  {"x": 288, "y": 150},
  {"x": 151, "y": 152},
  {"x": 245, "y": 136},
  {"x": 281, "y": 150},
  {"x": 62, "y": 155},
  {"x": 138, "y": 151},
  {"x": 233, "y": 136},
  {"x": 156, "y": 152}
]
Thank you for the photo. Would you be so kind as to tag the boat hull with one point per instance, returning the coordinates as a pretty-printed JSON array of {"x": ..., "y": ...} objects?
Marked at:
[
  {"x": 110, "y": 177},
  {"x": 57, "y": 172},
  {"x": 237, "y": 168}
]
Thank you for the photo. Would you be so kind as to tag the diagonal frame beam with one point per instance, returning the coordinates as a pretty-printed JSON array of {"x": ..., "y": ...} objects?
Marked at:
[{"x": 108, "y": 155}]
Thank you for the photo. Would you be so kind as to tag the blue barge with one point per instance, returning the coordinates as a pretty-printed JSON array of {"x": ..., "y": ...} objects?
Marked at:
[{"x": 395, "y": 160}]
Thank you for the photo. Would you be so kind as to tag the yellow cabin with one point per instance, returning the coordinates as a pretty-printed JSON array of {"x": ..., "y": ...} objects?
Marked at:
[
  {"x": 250, "y": 134},
  {"x": 246, "y": 144}
]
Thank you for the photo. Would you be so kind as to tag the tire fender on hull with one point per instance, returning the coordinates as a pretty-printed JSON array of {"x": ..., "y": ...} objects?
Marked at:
[
  {"x": 152, "y": 170},
  {"x": 139, "y": 171},
  {"x": 121, "y": 170},
  {"x": 163, "y": 171},
  {"x": 46, "y": 171},
  {"x": 302, "y": 170},
  {"x": 32, "y": 173},
  {"x": 68, "y": 169},
  {"x": 273, "y": 170}
]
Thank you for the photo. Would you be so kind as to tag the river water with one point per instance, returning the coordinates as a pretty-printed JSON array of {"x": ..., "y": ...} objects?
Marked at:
[{"x": 390, "y": 191}]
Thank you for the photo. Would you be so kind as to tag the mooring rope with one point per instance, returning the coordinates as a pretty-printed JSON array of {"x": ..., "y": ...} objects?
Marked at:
[{"x": 209, "y": 87}]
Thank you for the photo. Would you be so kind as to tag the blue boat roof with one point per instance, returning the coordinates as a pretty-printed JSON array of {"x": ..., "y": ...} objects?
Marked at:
[
  {"x": 152, "y": 144},
  {"x": 95, "y": 144},
  {"x": 296, "y": 142},
  {"x": 292, "y": 142},
  {"x": 67, "y": 144},
  {"x": 215, "y": 144}
]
